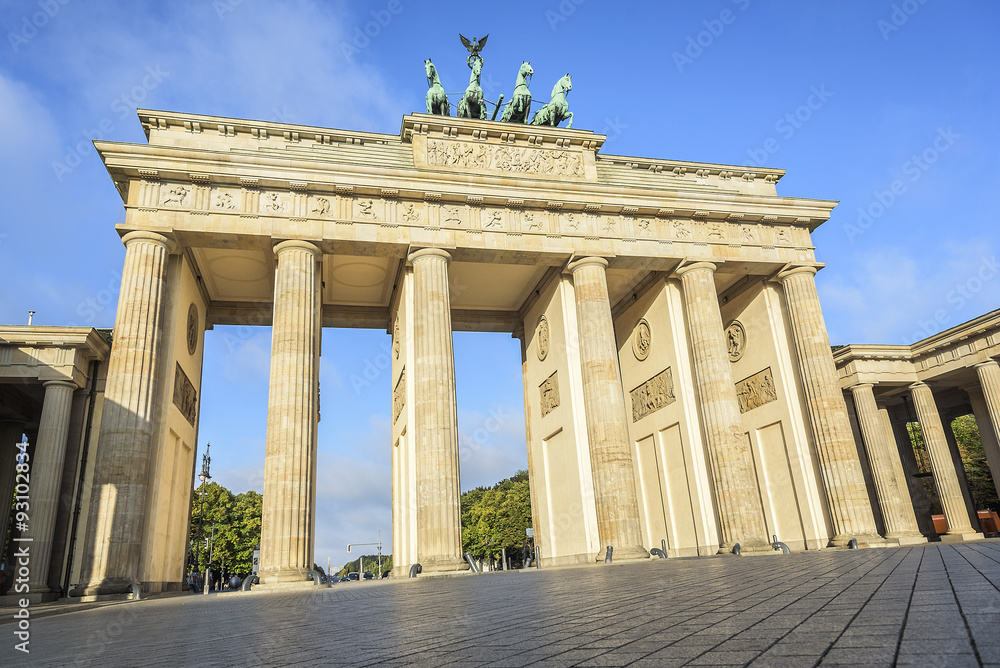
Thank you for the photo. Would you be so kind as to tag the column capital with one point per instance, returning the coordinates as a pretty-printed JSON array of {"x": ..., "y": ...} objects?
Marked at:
[
  {"x": 150, "y": 238},
  {"x": 429, "y": 252},
  {"x": 297, "y": 244},
  {"x": 990, "y": 363},
  {"x": 861, "y": 386},
  {"x": 918, "y": 385},
  {"x": 785, "y": 274},
  {"x": 586, "y": 261},
  {"x": 60, "y": 383},
  {"x": 696, "y": 266}
]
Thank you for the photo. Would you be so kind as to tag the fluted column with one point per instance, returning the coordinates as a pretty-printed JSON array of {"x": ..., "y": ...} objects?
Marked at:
[
  {"x": 985, "y": 401},
  {"x": 943, "y": 466},
  {"x": 741, "y": 519},
  {"x": 288, "y": 518},
  {"x": 46, "y": 476},
  {"x": 887, "y": 469},
  {"x": 439, "y": 525},
  {"x": 11, "y": 432},
  {"x": 607, "y": 419},
  {"x": 843, "y": 479},
  {"x": 112, "y": 552}
]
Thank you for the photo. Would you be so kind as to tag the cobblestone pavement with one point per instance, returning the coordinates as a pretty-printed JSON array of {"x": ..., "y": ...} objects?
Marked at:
[{"x": 936, "y": 605}]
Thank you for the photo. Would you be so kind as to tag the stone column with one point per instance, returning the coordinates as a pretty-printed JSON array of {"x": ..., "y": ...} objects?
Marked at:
[
  {"x": 843, "y": 479},
  {"x": 945, "y": 476},
  {"x": 741, "y": 519},
  {"x": 439, "y": 525},
  {"x": 918, "y": 493},
  {"x": 46, "y": 477},
  {"x": 607, "y": 420},
  {"x": 887, "y": 470},
  {"x": 112, "y": 552},
  {"x": 985, "y": 400},
  {"x": 11, "y": 432},
  {"x": 288, "y": 518}
]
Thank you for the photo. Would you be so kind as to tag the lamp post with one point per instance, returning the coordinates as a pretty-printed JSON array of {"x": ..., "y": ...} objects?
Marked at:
[
  {"x": 361, "y": 573},
  {"x": 204, "y": 477}
]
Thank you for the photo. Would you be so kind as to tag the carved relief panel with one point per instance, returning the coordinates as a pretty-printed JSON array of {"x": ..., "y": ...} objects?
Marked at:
[
  {"x": 654, "y": 394},
  {"x": 757, "y": 390},
  {"x": 549, "y": 393}
]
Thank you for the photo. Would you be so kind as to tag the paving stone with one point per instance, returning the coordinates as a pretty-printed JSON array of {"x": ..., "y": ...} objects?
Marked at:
[{"x": 846, "y": 607}]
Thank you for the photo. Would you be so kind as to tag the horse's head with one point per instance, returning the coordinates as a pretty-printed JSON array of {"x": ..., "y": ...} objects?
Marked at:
[
  {"x": 477, "y": 67},
  {"x": 526, "y": 70},
  {"x": 429, "y": 68},
  {"x": 563, "y": 86}
]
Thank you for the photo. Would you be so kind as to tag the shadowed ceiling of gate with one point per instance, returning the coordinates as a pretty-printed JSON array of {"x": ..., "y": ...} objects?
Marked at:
[{"x": 358, "y": 291}]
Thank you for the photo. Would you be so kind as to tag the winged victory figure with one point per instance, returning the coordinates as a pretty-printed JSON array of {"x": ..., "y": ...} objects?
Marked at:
[{"x": 474, "y": 45}]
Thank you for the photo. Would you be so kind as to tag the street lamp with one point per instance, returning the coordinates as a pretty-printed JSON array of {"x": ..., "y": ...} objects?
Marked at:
[
  {"x": 361, "y": 574},
  {"x": 204, "y": 477}
]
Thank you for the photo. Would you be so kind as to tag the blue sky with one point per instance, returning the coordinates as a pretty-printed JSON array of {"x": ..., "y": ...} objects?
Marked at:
[{"x": 888, "y": 107}]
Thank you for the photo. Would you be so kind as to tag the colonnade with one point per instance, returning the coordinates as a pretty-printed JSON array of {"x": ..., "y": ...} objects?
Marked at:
[{"x": 113, "y": 546}]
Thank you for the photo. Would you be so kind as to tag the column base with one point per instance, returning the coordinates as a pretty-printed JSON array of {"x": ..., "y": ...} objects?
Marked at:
[
  {"x": 961, "y": 537},
  {"x": 906, "y": 537},
  {"x": 864, "y": 540},
  {"x": 624, "y": 553},
  {"x": 274, "y": 576},
  {"x": 442, "y": 564},
  {"x": 111, "y": 588},
  {"x": 14, "y": 600},
  {"x": 748, "y": 546}
]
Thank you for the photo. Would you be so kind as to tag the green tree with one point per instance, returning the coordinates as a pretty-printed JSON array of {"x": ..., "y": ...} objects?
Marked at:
[
  {"x": 235, "y": 523},
  {"x": 496, "y": 518},
  {"x": 977, "y": 470}
]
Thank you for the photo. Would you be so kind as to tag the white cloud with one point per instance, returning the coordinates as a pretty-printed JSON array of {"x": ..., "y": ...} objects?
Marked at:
[{"x": 888, "y": 296}]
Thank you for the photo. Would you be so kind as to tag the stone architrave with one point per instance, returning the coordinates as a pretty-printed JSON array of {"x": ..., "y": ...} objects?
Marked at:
[
  {"x": 985, "y": 401},
  {"x": 843, "y": 478},
  {"x": 289, "y": 512},
  {"x": 46, "y": 476},
  {"x": 741, "y": 518},
  {"x": 887, "y": 470},
  {"x": 112, "y": 552},
  {"x": 439, "y": 526},
  {"x": 607, "y": 419},
  {"x": 942, "y": 465}
]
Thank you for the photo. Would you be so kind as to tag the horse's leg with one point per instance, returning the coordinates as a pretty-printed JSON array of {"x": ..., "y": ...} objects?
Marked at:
[{"x": 570, "y": 117}]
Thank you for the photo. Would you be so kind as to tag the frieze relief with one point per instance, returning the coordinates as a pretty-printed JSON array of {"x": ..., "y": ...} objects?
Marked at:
[
  {"x": 185, "y": 396},
  {"x": 177, "y": 197},
  {"x": 654, "y": 394},
  {"x": 549, "y": 393},
  {"x": 755, "y": 391},
  {"x": 505, "y": 159}
]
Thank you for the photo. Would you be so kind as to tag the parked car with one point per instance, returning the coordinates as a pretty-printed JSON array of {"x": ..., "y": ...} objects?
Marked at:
[
  {"x": 353, "y": 577},
  {"x": 369, "y": 576}
]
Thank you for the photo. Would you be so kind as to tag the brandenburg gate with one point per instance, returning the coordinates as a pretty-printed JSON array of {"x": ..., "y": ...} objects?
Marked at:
[{"x": 679, "y": 386}]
